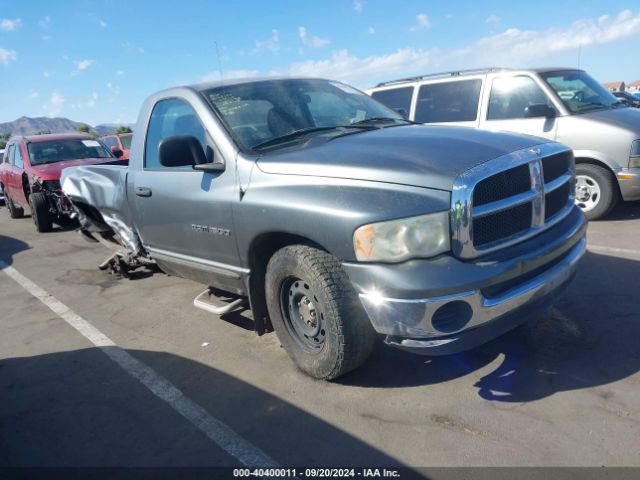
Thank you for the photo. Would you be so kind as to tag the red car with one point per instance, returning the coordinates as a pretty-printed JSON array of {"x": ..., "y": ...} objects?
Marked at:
[
  {"x": 30, "y": 173},
  {"x": 120, "y": 141}
]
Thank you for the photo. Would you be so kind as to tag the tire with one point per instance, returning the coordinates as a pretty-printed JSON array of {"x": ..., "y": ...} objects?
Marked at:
[
  {"x": 596, "y": 190},
  {"x": 14, "y": 211},
  {"x": 304, "y": 283},
  {"x": 40, "y": 212}
]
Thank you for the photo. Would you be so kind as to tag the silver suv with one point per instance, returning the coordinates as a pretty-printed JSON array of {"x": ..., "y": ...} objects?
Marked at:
[{"x": 565, "y": 105}]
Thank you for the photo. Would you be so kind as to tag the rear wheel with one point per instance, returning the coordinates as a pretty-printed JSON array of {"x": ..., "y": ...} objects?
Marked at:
[
  {"x": 40, "y": 212},
  {"x": 596, "y": 190},
  {"x": 316, "y": 313},
  {"x": 15, "y": 211}
]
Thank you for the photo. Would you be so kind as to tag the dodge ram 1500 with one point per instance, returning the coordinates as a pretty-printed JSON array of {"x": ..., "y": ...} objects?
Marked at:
[{"x": 337, "y": 219}]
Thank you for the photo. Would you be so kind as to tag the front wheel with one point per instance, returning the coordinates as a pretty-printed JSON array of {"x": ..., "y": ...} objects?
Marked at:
[
  {"x": 316, "y": 313},
  {"x": 596, "y": 190},
  {"x": 40, "y": 212}
]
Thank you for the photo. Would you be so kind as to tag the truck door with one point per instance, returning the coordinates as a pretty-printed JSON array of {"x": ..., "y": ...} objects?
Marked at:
[
  {"x": 505, "y": 103},
  {"x": 184, "y": 216}
]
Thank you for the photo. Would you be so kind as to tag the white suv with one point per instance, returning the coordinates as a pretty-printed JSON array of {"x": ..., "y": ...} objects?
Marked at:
[{"x": 565, "y": 105}]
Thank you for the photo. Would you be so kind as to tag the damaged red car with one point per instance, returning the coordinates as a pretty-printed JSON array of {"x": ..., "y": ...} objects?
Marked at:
[{"x": 30, "y": 174}]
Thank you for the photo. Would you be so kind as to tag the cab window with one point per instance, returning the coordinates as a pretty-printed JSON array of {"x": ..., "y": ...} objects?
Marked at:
[
  {"x": 17, "y": 161},
  {"x": 169, "y": 118},
  {"x": 10, "y": 154},
  {"x": 511, "y": 95},
  {"x": 399, "y": 99},
  {"x": 448, "y": 102}
]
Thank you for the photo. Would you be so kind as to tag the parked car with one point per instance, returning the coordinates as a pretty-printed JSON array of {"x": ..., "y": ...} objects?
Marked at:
[
  {"x": 30, "y": 173},
  {"x": 1, "y": 189},
  {"x": 565, "y": 105},
  {"x": 628, "y": 99},
  {"x": 337, "y": 218},
  {"x": 120, "y": 141}
]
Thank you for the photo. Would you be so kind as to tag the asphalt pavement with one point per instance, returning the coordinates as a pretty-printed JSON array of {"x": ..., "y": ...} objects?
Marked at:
[{"x": 560, "y": 391}]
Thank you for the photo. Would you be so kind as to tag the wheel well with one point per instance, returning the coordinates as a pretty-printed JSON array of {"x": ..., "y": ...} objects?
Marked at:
[
  {"x": 598, "y": 163},
  {"x": 260, "y": 252},
  {"x": 26, "y": 187}
]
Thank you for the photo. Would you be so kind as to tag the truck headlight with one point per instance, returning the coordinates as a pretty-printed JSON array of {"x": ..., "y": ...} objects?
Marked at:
[
  {"x": 634, "y": 158},
  {"x": 398, "y": 240}
]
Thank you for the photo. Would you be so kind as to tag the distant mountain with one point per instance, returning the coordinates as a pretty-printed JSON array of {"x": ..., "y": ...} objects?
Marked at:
[
  {"x": 109, "y": 128},
  {"x": 31, "y": 126}
]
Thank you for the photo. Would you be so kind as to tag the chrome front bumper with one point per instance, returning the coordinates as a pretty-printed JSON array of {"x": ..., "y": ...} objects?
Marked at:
[{"x": 471, "y": 317}]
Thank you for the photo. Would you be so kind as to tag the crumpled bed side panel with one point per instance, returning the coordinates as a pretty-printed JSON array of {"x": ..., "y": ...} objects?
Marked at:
[{"x": 104, "y": 188}]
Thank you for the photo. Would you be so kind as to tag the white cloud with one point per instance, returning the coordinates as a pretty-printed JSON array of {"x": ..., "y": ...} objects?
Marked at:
[
  {"x": 126, "y": 45},
  {"x": 371, "y": 31},
  {"x": 46, "y": 38},
  {"x": 102, "y": 23},
  {"x": 515, "y": 46},
  {"x": 449, "y": 16},
  {"x": 120, "y": 73},
  {"x": 512, "y": 47},
  {"x": 81, "y": 65},
  {"x": 89, "y": 103},
  {"x": 7, "y": 56},
  {"x": 45, "y": 22},
  {"x": 344, "y": 66},
  {"x": 310, "y": 40},
  {"x": 271, "y": 44},
  {"x": 92, "y": 101},
  {"x": 33, "y": 94},
  {"x": 215, "y": 76},
  {"x": 46, "y": 74},
  {"x": 9, "y": 25},
  {"x": 493, "y": 18},
  {"x": 422, "y": 22},
  {"x": 358, "y": 6},
  {"x": 55, "y": 104}
]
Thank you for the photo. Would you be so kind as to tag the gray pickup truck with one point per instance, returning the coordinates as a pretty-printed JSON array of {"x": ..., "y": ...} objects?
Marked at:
[{"x": 336, "y": 219}]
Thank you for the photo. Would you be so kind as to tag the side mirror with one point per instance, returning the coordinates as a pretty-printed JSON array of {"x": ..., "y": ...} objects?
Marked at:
[
  {"x": 539, "y": 110},
  {"x": 181, "y": 151},
  {"x": 117, "y": 152}
]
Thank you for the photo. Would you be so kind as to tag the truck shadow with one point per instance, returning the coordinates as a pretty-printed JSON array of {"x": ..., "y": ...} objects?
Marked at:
[
  {"x": 78, "y": 408},
  {"x": 624, "y": 211},
  {"x": 9, "y": 246},
  {"x": 589, "y": 339}
]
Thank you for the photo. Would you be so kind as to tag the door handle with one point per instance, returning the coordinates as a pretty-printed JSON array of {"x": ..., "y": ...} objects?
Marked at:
[{"x": 143, "y": 191}]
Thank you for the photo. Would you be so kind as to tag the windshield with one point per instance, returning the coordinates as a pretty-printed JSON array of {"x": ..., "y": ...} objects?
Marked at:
[
  {"x": 126, "y": 141},
  {"x": 61, "y": 150},
  {"x": 257, "y": 114},
  {"x": 579, "y": 92}
]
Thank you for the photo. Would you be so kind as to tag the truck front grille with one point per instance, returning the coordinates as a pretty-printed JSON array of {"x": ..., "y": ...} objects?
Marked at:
[{"x": 510, "y": 199}]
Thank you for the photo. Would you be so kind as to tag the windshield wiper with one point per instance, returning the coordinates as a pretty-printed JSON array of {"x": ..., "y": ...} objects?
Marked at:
[
  {"x": 300, "y": 133},
  {"x": 383, "y": 120}
]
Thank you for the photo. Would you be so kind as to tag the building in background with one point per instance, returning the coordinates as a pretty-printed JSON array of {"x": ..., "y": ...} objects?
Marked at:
[
  {"x": 634, "y": 87},
  {"x": 614, "y": 86}
]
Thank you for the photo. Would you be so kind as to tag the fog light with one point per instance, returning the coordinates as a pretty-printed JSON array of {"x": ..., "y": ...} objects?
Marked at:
[{"x": 452, "y": 316}]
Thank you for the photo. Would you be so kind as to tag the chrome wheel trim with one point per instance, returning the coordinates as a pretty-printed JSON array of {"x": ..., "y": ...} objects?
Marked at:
[{"x": 588, "y": 192}]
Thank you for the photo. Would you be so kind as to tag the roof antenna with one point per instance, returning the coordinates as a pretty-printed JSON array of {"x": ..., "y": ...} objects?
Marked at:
[{"x": 219, "y": 62}]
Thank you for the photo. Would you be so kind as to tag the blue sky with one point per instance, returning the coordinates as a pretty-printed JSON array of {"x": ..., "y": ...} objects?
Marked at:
[{"x": 96, "y": 60}]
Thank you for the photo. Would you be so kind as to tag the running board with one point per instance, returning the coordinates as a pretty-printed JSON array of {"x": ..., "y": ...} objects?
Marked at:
[{"x": 203, "y": 302}]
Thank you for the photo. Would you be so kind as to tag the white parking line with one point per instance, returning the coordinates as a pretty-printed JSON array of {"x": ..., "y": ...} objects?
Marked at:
[
  {"x": 625, "y": 251},
  {"x": 232, "y": 443}
]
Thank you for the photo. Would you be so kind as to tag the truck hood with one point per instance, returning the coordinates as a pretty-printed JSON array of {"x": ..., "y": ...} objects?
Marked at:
[
  {"x": 626, "y": 118},
  {"x": 51, "y": 171},
  {"x": 423, "y": 156}
]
